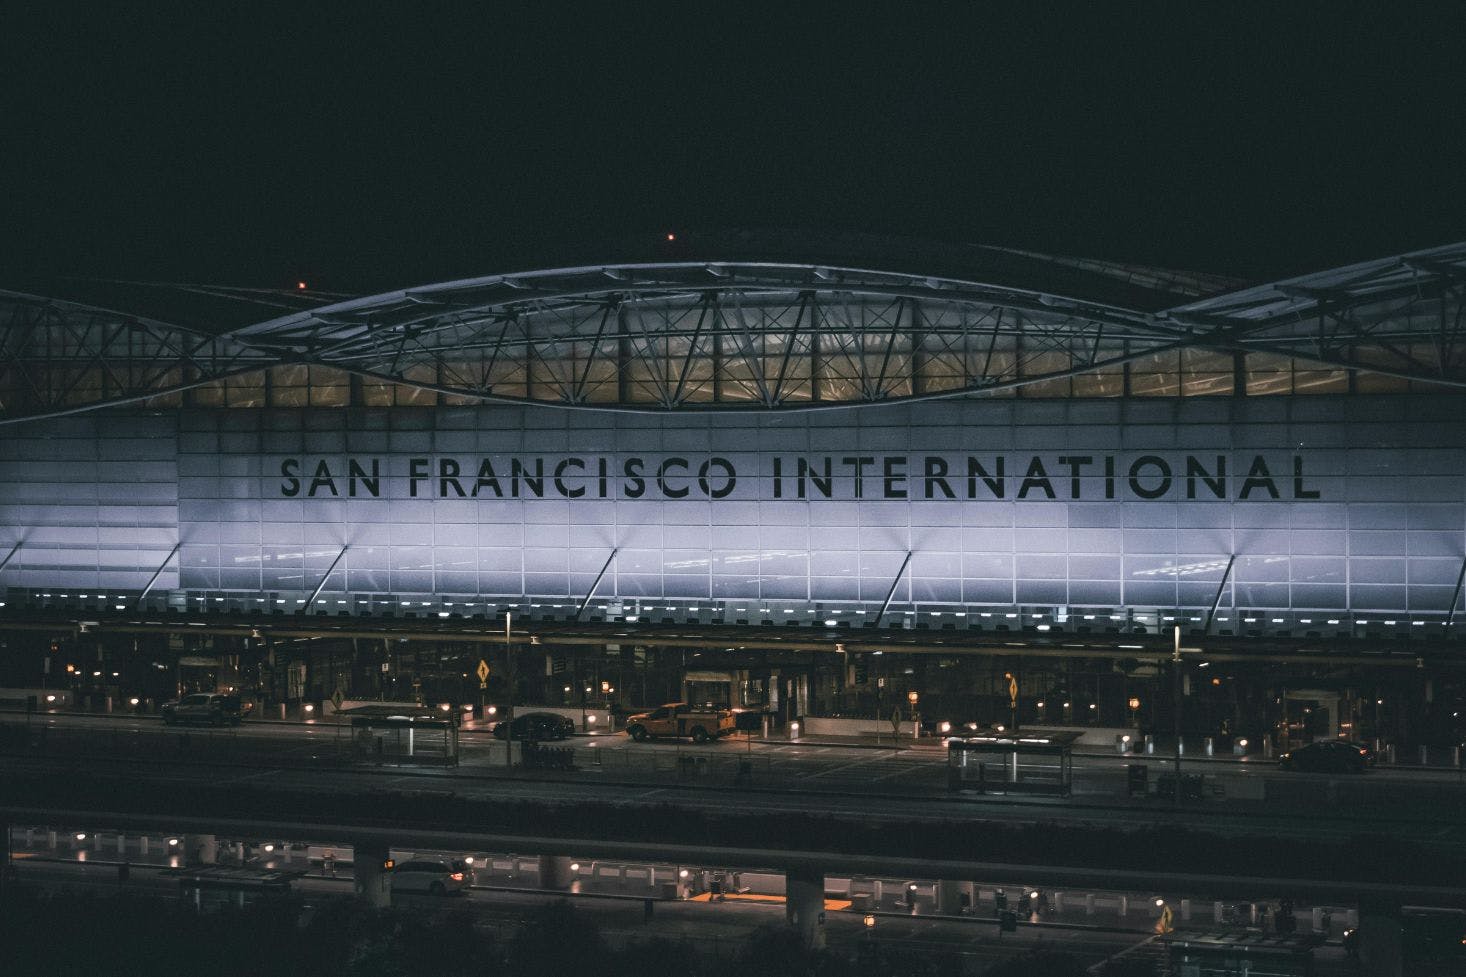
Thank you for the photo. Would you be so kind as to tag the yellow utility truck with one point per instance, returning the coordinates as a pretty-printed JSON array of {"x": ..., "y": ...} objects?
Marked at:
[{"x": 681, "y": 719}]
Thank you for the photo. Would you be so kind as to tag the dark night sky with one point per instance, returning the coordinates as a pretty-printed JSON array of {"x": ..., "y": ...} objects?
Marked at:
[{"x": 367, "y": 151}]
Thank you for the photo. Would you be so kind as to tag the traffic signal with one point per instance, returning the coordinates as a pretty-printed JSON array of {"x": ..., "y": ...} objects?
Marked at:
[{"x": 388, "y": 864}]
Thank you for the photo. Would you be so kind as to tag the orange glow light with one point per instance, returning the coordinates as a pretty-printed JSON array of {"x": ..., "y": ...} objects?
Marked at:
[{"x": 300, "y": 286}]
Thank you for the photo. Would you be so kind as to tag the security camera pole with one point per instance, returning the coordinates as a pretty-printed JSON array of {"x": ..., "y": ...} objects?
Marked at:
[
  {"x": 509, "y": 706},
  {"x": 1176, "y": 706}
]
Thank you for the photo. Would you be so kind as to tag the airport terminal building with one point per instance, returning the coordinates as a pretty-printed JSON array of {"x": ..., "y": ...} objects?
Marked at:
[{"x": 802, "y": 477}]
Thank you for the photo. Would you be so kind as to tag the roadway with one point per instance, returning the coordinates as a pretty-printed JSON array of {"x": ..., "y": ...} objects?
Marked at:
[{"x": 778, "y": 776}]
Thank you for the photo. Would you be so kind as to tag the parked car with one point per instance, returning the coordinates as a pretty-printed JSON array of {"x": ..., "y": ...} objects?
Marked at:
[
  {"x": 212, "y": 708},
  {"x": 537, "y": 726},
  {"x": 435, "y": 876},
  {"x": 1329, "y": 756}
]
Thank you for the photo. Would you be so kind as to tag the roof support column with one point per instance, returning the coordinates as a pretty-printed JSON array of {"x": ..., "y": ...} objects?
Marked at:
[
  {"x": 1217, "y": 600},
  {"x": 592, "y": 592},
  {"x": 16, "y": 549},
  {"x": 895, "y": 582},
  {"x": 1450, "y": 614},
  {"x": 322, "y": 585},
  {"x": 158, "y": 572}
]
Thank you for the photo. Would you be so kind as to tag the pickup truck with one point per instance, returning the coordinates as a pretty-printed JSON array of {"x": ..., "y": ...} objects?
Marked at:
[{"x": 681, "y": 719}]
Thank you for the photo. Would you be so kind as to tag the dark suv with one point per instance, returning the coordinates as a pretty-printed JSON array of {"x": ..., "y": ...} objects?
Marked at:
[
  {"x": 1327, "y": 756},
  {"x": 211, "y": 708}
]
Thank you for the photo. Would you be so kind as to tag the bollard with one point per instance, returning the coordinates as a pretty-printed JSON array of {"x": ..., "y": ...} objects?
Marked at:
[
  {"x": 97, "y": 842},
  {"x": 1456, "y": 757},
  {"x": 1216, "y": 912},
  {"x": 1186, "y": 910},
  {"x": 1318, "y": 919},
  {"x": 1089, "y": 904},
  {"x": 1210, "y": 747},
  {"x": 1425, "y": 756},
  {"x": 142, "y": 845},
  {"x": 1149, "y": 744},
  {"x": 122, "y": 844},
  {"x": 1058, "y": 902},
  {"x": 1390, "y": 753},
  {"x": 1122, "y": 743},
  {"x": 1123, "y": 906}
]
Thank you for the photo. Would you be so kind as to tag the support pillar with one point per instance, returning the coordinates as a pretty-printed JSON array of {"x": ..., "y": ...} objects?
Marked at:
[
  {"x": 1089, "y": 904},
  {"x": 142, "y": 844},
  {"x": 121, "y": 844},
  {"x": 200, "y": 849},
  {"x": 949, "y": 898},
  {"x": 555, "y": 872},
  {"x": 804, "y": 906},
  {"x": 371, "y": 880},
  {"x": 1381, "y": 943}
]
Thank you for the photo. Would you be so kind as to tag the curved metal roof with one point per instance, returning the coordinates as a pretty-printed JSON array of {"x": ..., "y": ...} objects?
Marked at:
[{"x": 727, "y": 335}]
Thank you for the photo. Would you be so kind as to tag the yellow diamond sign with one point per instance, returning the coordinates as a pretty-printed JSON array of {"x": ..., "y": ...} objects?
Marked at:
[{"x": 483, "y": 670}]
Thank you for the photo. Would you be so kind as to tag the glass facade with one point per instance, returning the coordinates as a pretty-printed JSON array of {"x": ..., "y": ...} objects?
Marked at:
[{"x": 979, "y": 508}]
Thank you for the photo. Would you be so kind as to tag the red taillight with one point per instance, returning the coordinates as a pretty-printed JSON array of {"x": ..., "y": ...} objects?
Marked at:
[{"x": 456, "y": 876}]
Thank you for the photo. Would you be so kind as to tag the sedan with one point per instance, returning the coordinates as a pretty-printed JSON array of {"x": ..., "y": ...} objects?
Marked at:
[
  {"x": 537, "y": 726},
  {"x": 212, "y": 708},
  {"x": 1330, "y": 756},
  {"x": 435, "y": 876}
]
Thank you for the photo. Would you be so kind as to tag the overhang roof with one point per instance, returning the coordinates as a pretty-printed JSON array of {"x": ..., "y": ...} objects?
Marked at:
[{"x": 732, "y": 333}]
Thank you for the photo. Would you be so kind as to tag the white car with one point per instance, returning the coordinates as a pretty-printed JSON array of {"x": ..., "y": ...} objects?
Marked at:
[{"x": 435, "y": 876}]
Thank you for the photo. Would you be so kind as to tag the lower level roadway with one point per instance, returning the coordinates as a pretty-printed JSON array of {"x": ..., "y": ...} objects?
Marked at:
[{"x": 718, "y": 927}]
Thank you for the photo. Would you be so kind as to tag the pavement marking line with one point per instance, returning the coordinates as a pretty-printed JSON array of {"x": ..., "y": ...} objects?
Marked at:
[
  {"x": 897, "y": 773},
  {"x": 836, "y": 768},
  {"x": 250, "y": 776}
]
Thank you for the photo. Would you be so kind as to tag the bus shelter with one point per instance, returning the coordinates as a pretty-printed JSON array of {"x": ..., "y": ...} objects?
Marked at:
[
  {"x": 1041, "y": 763},
  {"x": 393, "y": 734},
  {"x": 1241, "y": 954}
]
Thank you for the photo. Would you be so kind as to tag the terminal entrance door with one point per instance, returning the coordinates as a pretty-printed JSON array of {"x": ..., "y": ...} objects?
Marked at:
[{"x": 1309, "y": 715}]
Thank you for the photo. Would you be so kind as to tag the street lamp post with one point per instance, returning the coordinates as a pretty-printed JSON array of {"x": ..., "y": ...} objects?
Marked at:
[
  {"x": 509, "y": 706},
  {"x": 1176, "y": 705}
]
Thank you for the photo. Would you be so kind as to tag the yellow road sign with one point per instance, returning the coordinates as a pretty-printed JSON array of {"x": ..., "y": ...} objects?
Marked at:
[
  {"x": 1013, "y": 691},
  {"x": 483, "y": 670}
]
